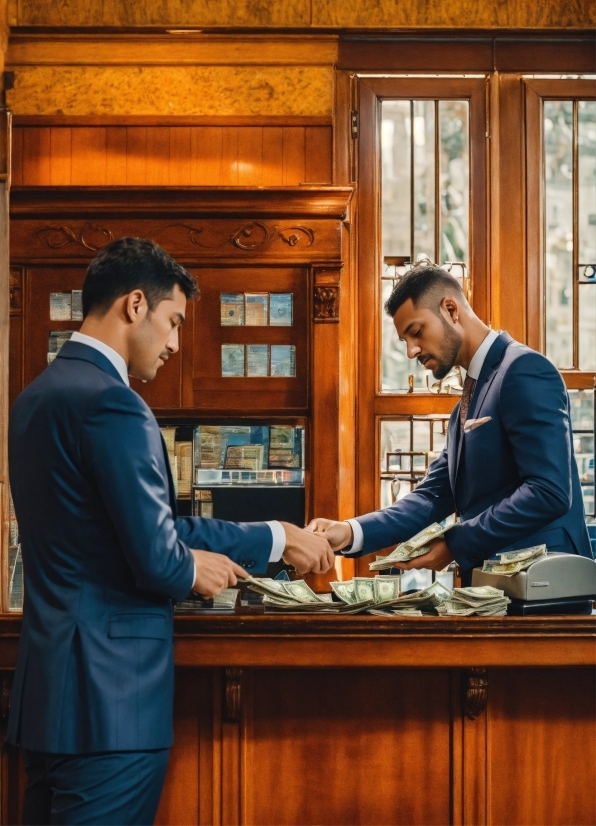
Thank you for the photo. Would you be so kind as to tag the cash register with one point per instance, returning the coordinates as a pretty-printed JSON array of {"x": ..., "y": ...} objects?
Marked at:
[{"x": 558, "y": 583}]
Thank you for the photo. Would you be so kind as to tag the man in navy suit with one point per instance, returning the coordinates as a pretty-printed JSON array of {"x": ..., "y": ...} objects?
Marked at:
[
  {"x": 105, "y": 556},
  {"x": 508, "y": 469}
]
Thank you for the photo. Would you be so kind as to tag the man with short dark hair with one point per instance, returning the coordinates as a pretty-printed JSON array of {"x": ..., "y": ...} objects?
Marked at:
[
  {"x": 508, "y": 468},
  {"x": 104, "y": 555}
]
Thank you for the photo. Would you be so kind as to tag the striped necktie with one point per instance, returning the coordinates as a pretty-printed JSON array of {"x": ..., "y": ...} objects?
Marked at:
[{"x": 466, "y": 398}]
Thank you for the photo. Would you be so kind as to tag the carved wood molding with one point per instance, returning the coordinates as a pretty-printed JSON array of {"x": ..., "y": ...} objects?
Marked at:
[
  {"x": 16, "y": 290},
  {"x": 326, "y": 280},
  {"x": 233, "y": 694},
  {"x": 326, "y": 303},
  {"x": 90, "y": 236},
  {"x": 475, "y": 694}
]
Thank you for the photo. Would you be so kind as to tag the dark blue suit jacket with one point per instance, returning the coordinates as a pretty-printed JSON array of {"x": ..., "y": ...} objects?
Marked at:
[
  {"x": 104, "y": 557},
  {"x": 513, "y": 481}
]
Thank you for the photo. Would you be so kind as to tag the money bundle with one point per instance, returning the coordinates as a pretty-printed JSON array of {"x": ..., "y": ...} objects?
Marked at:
[
  {"x": 512, "y": 562},
  {"x": 293, "y": 597},
  {"x": 419, "y": 603},
  {"x": 483, "y": 601},
  {"x": 416, "y": 546}
]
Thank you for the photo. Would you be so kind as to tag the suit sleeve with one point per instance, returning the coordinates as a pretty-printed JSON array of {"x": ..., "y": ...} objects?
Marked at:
[
  {"x": 534, "y": 414},
  {"x": 432, "y": 501},
  {"x": 121, "y": 448}
]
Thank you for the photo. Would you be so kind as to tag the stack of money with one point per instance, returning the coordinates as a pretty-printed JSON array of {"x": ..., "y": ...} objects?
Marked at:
[
  {"x": 361, "y": 593},
  {"x": 511, "y": 562},
  {"x": 279, "y": 595},
  {"x": 416, "y": 546},
  {"x": 417, "y": 604},
  {"x": 483, "y": 601}
]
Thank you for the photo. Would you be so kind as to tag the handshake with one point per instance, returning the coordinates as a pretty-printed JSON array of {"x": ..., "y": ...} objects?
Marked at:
[{"x": 308, "y": 550}]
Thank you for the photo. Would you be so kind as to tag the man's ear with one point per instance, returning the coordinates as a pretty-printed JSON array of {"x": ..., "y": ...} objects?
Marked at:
[
  {"x": 450, "y": 308},
  {"x": 135, "y": 306}
]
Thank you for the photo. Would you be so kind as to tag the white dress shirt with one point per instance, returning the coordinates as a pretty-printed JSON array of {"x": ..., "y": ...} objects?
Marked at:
[
  {"x": 474, "y": 368},
  {"x": 278, "y": 535}
]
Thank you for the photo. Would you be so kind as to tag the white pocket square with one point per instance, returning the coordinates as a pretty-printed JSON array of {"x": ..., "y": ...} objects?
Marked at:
[{"x": 472, "y": 424}]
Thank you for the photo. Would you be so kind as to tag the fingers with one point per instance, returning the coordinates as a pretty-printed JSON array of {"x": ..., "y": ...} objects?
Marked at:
[{"x": 319, "y": 524}]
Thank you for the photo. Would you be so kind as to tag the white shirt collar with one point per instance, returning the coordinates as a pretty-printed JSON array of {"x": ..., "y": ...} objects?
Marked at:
[
  {"x": 115, "y": 358},
  {"x": 477, "y": 361}
]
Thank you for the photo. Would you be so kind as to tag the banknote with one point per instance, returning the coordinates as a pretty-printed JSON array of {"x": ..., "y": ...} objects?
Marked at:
[
  {"x": 364, "y": 588},
  {"x": 386, "y": 587},
  {"x": 523, "y": 554},
  {"x": 344, "y": 591},
  {"x": 475, "y": 601}
]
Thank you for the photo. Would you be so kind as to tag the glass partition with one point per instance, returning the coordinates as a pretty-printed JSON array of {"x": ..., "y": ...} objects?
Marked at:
[{"x": 425, "y": 171}]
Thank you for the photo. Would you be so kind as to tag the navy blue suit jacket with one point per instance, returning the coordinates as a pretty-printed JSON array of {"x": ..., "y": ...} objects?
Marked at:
[
  {"x": 104, "y": 558},
  {"x": 513, "y": 481}
]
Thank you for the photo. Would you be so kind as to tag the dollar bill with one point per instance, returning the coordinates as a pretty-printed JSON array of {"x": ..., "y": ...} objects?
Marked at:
[
  {"x": 522, "y": 555},
  {"x": 475, "y": 601},
  {"x": 344, "y": 591},
  {"x": 386, "y": 588},
  {"x": 364, "y": 588},
  {"x": 299, "y": 590}
]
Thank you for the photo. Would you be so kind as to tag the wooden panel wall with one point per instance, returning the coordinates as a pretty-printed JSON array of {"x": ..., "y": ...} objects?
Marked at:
[{"x": 171, "y": 155}]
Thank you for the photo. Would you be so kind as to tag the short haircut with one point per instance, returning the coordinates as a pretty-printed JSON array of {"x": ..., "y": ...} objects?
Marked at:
[
  {"x": 425, "y": 283},
  {"x": 133, "y": 264}
]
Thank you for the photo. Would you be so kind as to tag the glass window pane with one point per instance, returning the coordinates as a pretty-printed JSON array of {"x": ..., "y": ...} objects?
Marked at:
[
  {"x": 424, "y": 179},
  {"x": 587, "y": 326},
  {"x": 396, "y": 365},
  {"x": 586, "y": 140},
  {"x": 582, "y": 424},
  {"x": 558, "y": 175},
  {"x": 396, "y": 169},
  {"x": 455, "y": 175}
]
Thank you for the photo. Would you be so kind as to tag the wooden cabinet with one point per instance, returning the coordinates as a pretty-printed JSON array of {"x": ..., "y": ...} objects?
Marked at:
[{"x": 365, "y": 720}]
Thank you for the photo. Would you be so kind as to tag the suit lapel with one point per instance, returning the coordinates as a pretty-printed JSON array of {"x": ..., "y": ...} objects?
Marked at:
[
  {"x": 490, "y": 368},
  {"x": 171, "y": 488},
  {"x": 453, "y": 439}
]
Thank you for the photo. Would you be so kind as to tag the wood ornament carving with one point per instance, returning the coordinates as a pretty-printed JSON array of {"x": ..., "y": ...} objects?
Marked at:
[
  {"x": 91, "y": 236},
  {"x": 326, "y": 303},
  {"x": 233, "y": 696},
  {"x": 475, "y": 692},
  {"x": 16, "y": 290}
]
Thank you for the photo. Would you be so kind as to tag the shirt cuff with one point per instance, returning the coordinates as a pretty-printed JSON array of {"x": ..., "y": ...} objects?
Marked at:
[
  {"x": 278, "y": 545},
  {"x": 358, "y": 542}
]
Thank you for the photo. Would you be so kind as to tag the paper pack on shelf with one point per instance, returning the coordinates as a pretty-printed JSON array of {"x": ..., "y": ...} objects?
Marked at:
[
  {"x": 283, "y": 360},
  {"x": 60, "y": 306},
  {"x": 257, "y": 360},
  {"x": 55, "y": 341},
  {"x": 245, "y": 457},
  {"x": 232, "y": 360},
  {"x": 280, "y": 309},
  {"x": 256, "y": 310},
  {"x": 77, "y": 305},
  {"x": 232, "y": 309}
]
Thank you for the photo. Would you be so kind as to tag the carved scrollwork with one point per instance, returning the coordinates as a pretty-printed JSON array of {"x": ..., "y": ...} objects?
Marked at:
[
  {"x": 16, "y": 290},
  {"x": 233, "y": 694},
  {"x": 91, "y": 236},
  {"x": 326, "y": 303},
  {"x": 252, "y": 235},
  {"x": 475, "y": 695}
]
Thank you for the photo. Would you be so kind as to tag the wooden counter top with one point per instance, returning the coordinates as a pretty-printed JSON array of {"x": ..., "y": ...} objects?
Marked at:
[{"x": 257, "y": 640}]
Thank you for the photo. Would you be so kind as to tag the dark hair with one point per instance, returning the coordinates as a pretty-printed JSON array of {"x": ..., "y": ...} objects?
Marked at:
[
  {"x": 133, "y": 264},
  {"x": 424, "y": 281}
]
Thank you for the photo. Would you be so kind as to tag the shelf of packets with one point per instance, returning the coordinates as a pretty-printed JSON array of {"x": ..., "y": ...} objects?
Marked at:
[
  {"x": 248, "y": 455},
  {"x": 15, "y": 563}
]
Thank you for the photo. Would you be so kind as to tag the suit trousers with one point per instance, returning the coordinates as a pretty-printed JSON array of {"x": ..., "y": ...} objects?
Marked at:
[{"x": 119, "y": 787}]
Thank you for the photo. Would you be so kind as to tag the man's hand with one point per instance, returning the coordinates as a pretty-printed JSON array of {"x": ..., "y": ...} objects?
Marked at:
[
  {"x": 215, "y": 573},
  {"x": 337, "y": 534},
  {"x": 436, "y": 559},
  {"x": 306, "y": 551}
]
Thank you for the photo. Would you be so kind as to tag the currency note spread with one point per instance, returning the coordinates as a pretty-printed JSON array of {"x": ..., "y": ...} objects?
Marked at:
[
  {"x": 512, "y": 562},
  {"x": 379, "y": 596},
  {"x": 416, "y": 546}
]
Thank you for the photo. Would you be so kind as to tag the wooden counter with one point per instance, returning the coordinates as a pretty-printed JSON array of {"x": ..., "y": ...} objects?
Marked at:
[{"x": 363, "y": 720}]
